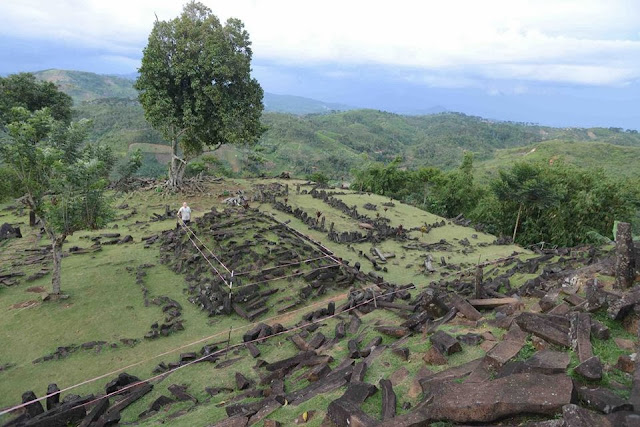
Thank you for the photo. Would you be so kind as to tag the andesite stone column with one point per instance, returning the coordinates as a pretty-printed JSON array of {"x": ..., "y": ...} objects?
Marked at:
[
  {"x": 478, "y": 281},
  {"x": 625, "y": 268}
]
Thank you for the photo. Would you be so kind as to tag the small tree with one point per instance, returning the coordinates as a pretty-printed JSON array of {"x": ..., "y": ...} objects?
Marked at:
[
  {"x": 195, "y": 85},
  {"x": 454, "y": 192},
  {"x": 63, "y": 180},
  {"x": 319, "y": 178},
  {"x": 527, "y": 186},
  {"x": 127, "y": 168}
]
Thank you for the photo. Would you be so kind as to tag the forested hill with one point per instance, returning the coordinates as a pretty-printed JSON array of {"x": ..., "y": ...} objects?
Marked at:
[
  {"x": 83, "y": 86},
  {"x": 337, "y": 141}
]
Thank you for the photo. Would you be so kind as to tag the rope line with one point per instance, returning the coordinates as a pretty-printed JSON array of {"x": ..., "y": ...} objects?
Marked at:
[
  {"x": 242, "y": 273},
  {"x": 325, "y": 250},
  {"x": 327, "y": 255},
  {"x": 226, "y": 350},
  {"x": 162, "y": 354},
  {"x": 205, "y": 246},
  {"x": 208, "y": 261},
  {"x": 289, "y": 275}
]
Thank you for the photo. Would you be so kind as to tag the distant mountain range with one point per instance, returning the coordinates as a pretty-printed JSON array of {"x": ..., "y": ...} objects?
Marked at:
[
  {"x": 84, "y": 86},
  {"x": 305, "y": 135},
  {"x": 299, "y": 105}
]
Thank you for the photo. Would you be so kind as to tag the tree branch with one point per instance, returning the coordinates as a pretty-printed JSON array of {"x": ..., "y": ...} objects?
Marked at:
[
  {"x": 180, "y": 133},
  {"x": 178, "y": 158}
]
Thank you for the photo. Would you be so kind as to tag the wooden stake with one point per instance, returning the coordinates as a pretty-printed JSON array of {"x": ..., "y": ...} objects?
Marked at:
[{"x": 226, "y": 353}]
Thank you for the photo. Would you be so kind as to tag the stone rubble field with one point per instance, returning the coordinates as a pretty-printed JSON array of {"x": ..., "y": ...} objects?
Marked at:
[{"x": 284, "y": 304}]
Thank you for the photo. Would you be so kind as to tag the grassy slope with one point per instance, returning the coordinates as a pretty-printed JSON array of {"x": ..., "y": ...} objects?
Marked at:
[
  {"x": 616, "y": 160},
  {"x": 106, "y": 304},
  {"x": 118, "y": 123},
  {"x": 84, "y": 86}
]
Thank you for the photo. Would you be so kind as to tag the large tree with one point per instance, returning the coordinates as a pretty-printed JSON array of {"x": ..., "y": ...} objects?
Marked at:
[
  {"x": 196, "y": 87},
  {"x": 62, "y": 179}
]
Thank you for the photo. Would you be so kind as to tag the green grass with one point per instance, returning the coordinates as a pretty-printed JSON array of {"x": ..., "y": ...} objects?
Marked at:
[
  {"x": 106, "y": 304},
  {"x": 526, "y": 351}
]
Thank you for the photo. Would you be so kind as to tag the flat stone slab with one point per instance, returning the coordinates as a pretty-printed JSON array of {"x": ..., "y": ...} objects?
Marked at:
[
  {"x": 507, "y": 349},
  {"x": 393, "y": 331},
  {"x": 602, "y": 399},
  {"x": 504, "y": 397},
  {"x": 590, "y": 369},
  {"x": 345, "y": 413},
  {"x": 548, "y": 362},
  {"x": 554, "y": 329},
  {"x": 388, "y": 399},
  {"x": 619, "y": 308},
  {"x": 581, "y": 335},
  {"x": 450, "y": 374},
  {"x": 502, "y": 352},
  {"x": 465, "y": 308},
  {"x": 575, "y": 416}
]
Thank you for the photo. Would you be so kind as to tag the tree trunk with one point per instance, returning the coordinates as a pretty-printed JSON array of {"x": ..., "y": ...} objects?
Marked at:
[
  {"x": 56, "y": 245},
  {"x": 424, "y": 197},
  {"x": 178, "y": 167},
  {"x": 515, "y": 229}
]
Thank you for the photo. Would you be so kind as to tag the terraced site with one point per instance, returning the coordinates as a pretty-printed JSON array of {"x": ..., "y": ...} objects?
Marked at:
[{"x": 293, "y": 304}]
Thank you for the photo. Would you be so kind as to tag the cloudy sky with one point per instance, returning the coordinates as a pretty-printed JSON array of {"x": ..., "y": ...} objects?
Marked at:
[{"x": 549, "y": 61}]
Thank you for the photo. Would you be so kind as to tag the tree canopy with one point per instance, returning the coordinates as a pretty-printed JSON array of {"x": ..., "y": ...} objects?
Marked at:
[
  {"x": 61, "y": 178},
  {"x": 553, "y": 203},
  {"x": 23, "y": 90},
  {"x": 196, "y": 87}
]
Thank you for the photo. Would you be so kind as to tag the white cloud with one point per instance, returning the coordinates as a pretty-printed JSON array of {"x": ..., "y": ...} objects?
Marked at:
[{"x": 585, "y": 42}]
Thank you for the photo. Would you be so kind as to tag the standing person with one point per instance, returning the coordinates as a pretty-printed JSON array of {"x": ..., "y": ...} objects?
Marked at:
[{"x": 184, "y": 214}]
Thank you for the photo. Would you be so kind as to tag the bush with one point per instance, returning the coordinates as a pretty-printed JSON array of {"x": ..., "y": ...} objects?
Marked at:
[
  {"x": 319, "y": 178},
  {"x": 207, "y": 165}
]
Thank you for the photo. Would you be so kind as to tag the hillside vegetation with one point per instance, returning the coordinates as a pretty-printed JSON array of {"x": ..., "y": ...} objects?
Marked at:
[
  {"x": 617, "y": 161},
  {"x": 119, "y": 289},
  {"x": 337, "y": 142},
  {"x": 84, "y": 86},
  {"x": 418, "y": 295}
]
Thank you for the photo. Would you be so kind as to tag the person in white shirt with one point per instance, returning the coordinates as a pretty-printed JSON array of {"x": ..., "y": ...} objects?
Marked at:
[{"x": 184, "y": 214}]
